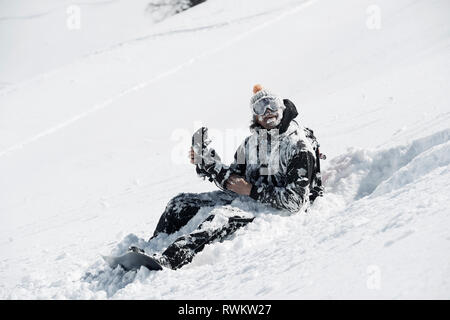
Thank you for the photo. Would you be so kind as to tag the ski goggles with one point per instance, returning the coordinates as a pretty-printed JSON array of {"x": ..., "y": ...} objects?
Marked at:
[{"x": 260, "y": 107}]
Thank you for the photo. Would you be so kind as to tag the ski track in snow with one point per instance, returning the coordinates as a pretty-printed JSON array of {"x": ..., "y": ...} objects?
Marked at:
[
  {"x": 156, "y": 78},
  {"x": 9, "y": 87}
]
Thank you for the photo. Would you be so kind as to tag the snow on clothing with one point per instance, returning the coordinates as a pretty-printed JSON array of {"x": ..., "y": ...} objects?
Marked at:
[
  {"x": 217, "y": 226},
  {"x": 279, "y": 163}
]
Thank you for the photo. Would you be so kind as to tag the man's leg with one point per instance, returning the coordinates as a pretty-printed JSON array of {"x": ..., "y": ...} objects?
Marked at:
[
  {"x": 184, "y": 206},
  {"x": 184, "y": 248}
]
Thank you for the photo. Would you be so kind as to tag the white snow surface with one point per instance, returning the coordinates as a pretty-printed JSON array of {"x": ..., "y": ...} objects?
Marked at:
[{"x": 94, "y": 139}]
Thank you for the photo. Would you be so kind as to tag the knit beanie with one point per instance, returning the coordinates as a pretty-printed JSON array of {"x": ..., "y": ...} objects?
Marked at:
[{"x": 259, "y": 93}]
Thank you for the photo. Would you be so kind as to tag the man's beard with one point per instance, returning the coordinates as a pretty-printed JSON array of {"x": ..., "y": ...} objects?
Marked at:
[{"x": 275, "y": 121}]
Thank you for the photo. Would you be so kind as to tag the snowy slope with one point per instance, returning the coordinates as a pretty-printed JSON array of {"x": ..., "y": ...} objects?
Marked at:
[
  {"x": 91, "y": 152},
  {"x": 39, "y": 36}
]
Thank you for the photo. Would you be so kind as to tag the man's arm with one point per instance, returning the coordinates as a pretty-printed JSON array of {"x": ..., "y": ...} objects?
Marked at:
[
  {"x": 218, "y": 172},
  {"x": 295, "y": 192}
]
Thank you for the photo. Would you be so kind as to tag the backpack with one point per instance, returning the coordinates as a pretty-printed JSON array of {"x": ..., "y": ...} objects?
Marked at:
[{"x": 316, "y": 187}]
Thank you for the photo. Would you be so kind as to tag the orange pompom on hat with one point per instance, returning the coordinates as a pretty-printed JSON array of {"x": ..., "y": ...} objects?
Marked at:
[{"x": 257, "y": 88}]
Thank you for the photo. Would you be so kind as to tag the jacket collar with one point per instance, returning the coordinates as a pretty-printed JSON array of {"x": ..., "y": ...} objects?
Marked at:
[{"x": 289, "y": 114}]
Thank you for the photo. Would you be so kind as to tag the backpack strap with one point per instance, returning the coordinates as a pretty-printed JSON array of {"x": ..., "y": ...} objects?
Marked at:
[{"x": 316, "y": 187}]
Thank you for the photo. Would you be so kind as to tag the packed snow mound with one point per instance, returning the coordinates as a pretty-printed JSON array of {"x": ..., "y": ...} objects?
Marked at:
[
  {"x": 262, "y": 258},
  {"x": 382, "y": 171}
]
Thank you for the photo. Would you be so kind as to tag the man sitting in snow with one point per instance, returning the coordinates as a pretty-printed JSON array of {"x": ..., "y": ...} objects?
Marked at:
[{"x": 285, "y": 176}]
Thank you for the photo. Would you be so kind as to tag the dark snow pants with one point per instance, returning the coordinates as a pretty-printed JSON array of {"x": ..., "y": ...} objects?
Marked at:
[{"x": 182, "y": 208}]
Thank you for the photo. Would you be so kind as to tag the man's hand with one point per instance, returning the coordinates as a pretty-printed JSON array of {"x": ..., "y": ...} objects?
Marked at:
[{"x": 238, "y": 184}]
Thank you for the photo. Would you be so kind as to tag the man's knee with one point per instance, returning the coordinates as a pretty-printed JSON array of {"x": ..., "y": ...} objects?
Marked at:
[
  {"x": 182, "y": 198},
  {"x": 184, "y": 206},
  {"x": 178, "y": 212}
]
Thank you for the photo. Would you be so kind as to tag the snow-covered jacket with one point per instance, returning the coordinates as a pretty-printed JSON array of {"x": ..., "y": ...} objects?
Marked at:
[{"x": 279, "y": 163}]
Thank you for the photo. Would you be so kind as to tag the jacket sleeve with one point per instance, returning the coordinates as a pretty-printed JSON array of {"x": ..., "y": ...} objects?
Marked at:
[
  {"x": 239, "y": 164},
  {"x": 295, "y": 192},
  {"x": 218, "y": 172}
]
